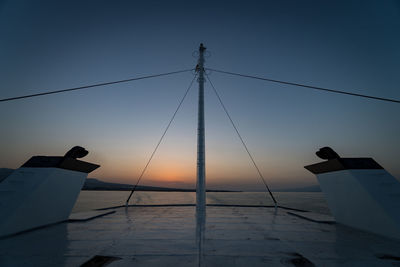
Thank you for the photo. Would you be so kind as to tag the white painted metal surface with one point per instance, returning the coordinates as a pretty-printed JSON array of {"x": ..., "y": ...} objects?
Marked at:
[
  {"x": 364, "y": 199},
  {"x": 33, "y": 197}
]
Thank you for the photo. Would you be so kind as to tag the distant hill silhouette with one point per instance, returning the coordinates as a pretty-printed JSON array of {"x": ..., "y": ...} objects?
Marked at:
[{"x": 95, "y": 184}]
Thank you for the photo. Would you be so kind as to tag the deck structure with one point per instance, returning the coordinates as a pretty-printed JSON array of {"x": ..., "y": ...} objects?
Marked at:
[{"x": 166, "y": 236}]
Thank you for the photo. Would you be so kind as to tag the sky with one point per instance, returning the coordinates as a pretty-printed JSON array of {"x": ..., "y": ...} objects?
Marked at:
[{"x": 346, "y": 45}]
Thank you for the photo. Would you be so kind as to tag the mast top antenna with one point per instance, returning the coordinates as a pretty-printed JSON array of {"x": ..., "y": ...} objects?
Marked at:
[{"x": 202, "y": 48}]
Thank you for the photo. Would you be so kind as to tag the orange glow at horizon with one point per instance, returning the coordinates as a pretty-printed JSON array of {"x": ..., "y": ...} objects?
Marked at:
[
  {"x": 159, "y": 171},
  {"x": 171, "y": 173},
  {"x": 174, "y": 167}
]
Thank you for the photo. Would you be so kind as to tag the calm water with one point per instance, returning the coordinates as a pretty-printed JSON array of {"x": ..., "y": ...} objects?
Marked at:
[{"x": 89, "y": 200}]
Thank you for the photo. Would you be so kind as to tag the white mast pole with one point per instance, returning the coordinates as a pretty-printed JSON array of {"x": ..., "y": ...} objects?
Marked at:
[{"x": 201, "y": 170}]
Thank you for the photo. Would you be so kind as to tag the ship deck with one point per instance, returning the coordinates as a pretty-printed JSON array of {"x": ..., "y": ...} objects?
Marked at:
[{"x": 167, "y": 236}]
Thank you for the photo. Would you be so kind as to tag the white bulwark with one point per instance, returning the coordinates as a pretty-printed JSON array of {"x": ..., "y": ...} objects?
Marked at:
[
  {"x": 42, "y": 192},
  {"x": 361, "y": 194}
]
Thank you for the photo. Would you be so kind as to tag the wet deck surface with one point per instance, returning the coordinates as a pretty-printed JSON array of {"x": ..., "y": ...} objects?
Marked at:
[{"x": 166, "y": 236}]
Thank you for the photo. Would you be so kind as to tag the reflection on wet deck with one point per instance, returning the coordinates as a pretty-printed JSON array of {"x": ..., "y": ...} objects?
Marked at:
[{"x": 166, "y": 236}]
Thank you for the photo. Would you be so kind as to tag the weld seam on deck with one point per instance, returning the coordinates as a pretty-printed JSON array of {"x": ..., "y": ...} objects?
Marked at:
[
  {"x": 193, "y": 205},
  {"x": 309, "y": 219},
  {"x": 31, "y": 229},
  {"x": 150, "y": 205},
  {"x": 91, "y": 218},
  {"x": 52, "y": 224}
]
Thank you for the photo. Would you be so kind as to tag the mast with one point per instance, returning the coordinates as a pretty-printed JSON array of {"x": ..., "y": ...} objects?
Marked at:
[{"x": 201, "y": 170}]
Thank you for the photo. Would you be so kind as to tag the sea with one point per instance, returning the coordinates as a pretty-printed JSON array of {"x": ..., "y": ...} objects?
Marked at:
[{"x": 310, "y": 201}]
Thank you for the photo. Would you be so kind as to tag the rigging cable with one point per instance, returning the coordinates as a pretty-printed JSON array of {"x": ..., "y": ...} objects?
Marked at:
[
  {"x": 241, "y": 139},
  {"x": 307, "y": 86},
  {"x": 159, "y": 142},
  {"x": 94, "y": 85}
]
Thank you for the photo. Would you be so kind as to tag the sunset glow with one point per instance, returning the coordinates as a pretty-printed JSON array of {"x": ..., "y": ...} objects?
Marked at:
[{"x": 121, "y": 124}]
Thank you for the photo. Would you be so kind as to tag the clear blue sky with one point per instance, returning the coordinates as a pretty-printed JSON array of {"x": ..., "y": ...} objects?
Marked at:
[{"x": 345, "y": 45}]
